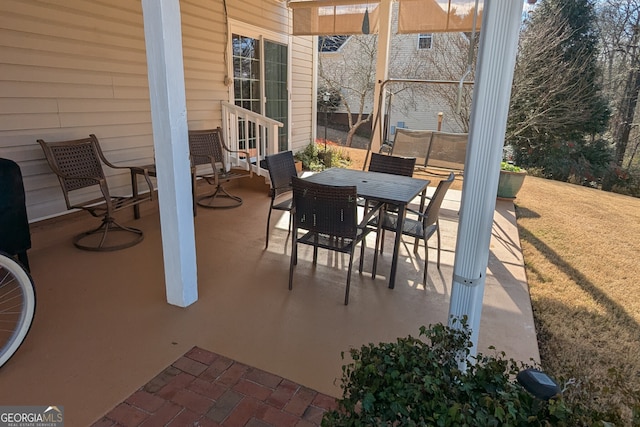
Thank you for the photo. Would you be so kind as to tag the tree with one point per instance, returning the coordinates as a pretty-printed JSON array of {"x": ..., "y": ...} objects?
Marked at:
[
  {"x": 557, "y": 108},
  {"x": 353, "y": 76},
  {"x": 619, "y": 27}
]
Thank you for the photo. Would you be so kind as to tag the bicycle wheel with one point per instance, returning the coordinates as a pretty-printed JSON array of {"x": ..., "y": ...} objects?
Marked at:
[{"x": 17, "y": 306}]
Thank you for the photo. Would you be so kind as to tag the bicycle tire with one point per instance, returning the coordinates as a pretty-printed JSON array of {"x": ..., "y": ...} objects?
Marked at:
[{"x": 17, "y": 306}]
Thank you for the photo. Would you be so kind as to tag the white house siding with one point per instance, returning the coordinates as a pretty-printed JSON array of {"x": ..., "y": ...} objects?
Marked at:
[
  {"x": 69, "y": 68},
  {"x": 302, "y": 92},
  {"x": 416, "y": 110}
]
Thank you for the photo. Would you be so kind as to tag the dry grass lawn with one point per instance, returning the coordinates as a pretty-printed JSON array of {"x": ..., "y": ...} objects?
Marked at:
[{"x": 581, "y": 250}]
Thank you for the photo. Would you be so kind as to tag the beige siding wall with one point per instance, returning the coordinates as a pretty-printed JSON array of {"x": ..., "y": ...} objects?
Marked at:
[
  {"x": 68, "y": 69},
  {"x": 74, "y": 67},
  {"x": 302, "y": 92}
]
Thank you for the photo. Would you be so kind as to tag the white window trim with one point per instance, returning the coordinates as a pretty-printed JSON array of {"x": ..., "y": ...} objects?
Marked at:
[
  {"x": 426, "y": 35},
  {"x": 242, "y": 28}
]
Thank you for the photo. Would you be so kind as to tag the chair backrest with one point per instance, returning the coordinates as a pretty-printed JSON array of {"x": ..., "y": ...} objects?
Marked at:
[
  {"x": 448, "y": 150},
  {"x": 206, "y": 146},
  {"x": 392, "y": 164},
  {"x": 325, "y": 209},
  {"x": 73, "y": 159},
  {"x": 282, "y": 168},
  {"x": 412, "y": 143},
  {"x": 433, "y": 208}
]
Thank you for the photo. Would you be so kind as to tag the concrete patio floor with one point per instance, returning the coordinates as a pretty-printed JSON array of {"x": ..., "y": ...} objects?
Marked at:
[{"x": 103, "y": 327}]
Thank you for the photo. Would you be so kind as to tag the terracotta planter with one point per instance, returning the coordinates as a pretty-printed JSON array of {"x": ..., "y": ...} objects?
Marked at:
[{"x": 510, "y": 183}]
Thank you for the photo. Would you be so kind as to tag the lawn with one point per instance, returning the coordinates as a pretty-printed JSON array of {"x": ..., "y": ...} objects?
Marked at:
[{"x": 581, "y": 249}]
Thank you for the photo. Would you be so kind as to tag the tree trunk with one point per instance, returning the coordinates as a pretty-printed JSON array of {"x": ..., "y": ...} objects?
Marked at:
[
  {"x": 628, "y": 104},
  {"x": 626, "y": 114}
]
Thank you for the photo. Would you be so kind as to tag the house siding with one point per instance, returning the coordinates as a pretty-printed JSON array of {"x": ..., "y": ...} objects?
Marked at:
[
  {"x": 74, "y": 67},
  {"x": 302, "y": 91}
]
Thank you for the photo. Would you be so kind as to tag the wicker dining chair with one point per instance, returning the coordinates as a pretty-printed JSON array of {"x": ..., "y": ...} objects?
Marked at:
[
  {"x": 282, "y": 168},
  {"x": 209, "y": 161},
  {"x": 421, "y": 227},
  {"x": 394, "y": 165},
  {"x": 328, "y": 216},
  {"x": 78, "y": 166}
]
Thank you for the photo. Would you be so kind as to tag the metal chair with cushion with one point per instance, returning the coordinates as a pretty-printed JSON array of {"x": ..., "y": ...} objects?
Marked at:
[
  {"x": 423, "y": 226},
  {"x": 210, "y": 161},
  {"x": 78, "y": 165},
  {"x": 281, "y": 169},
  {"x": 328, "y": 216}
]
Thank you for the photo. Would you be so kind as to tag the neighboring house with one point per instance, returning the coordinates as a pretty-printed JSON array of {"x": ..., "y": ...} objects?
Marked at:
[
  {"x": 72, "y": 68},
  {"x": 412, "y": 56}
]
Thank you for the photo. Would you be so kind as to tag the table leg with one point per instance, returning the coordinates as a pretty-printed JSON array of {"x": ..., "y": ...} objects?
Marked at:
[
  {"x": 396, "y": 247},
  {"x": 134, "y": 188}
]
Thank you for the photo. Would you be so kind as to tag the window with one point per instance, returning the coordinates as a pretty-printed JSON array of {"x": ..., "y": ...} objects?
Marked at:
[
  {"x": 331, "y": 43},
  {"x": 425, "y": 41},
  {"x": 260, "y": 80}
]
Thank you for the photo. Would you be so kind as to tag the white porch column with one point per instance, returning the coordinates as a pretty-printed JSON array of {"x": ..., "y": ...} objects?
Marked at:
[
  {"x": 163, "y": 40},
  {"x": 496, "y": 60},
  {"x": 382, "y": 65}
]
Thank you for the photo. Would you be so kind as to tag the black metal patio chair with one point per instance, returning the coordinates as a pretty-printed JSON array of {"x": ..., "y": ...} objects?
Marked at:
[{"x": 329, "y": 218}]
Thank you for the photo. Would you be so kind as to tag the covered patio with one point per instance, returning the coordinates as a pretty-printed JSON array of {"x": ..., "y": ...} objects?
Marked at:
[{"x": 103, "y": 327}]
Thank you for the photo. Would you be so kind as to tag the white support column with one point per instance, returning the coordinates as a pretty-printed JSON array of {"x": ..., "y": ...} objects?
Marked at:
[
  {"x": 382, "y": 65},
  {"x": 501, "y": 22},
  {"x": 163, "y": 40}
]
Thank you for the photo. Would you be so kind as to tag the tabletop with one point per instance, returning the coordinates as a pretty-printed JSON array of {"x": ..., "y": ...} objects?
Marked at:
[{"x": 383, "y": 187}]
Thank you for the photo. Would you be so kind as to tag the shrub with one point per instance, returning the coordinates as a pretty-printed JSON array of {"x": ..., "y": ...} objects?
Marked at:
[
  {"x": 435, "y": 382},
  {"x": 583, "y": 161},
  {"x": 312, "y": 157},
  {"x": 623, "y": 181}
]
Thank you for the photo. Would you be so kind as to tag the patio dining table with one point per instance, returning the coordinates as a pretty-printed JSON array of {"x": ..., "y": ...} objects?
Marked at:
[{"x": 381, "y": 187}]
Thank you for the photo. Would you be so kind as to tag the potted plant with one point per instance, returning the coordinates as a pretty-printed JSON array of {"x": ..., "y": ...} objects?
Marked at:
[{"x": 510, "y": 181}]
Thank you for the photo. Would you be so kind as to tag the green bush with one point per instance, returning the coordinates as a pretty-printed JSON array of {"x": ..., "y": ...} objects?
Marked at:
[
  {"x": 419, "y": 382},
  {"x": 312, "y": 157}
]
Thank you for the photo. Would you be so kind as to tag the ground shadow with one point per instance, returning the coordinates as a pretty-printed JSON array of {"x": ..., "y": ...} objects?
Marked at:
[{"x": 611, "y": 306}]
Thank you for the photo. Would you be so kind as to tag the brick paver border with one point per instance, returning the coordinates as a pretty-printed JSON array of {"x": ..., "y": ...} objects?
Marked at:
[{"x": 203, "y": 388}]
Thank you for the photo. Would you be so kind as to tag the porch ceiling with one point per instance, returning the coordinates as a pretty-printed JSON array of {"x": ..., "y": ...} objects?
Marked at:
[{"x": 103, "y": 327}]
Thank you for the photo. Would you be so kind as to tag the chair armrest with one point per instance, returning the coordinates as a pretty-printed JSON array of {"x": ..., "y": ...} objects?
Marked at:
[
  {"x": 415, "y": 212},
  {"x": 247, "y": 156},
  {"x": 144, "y": 172}
]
